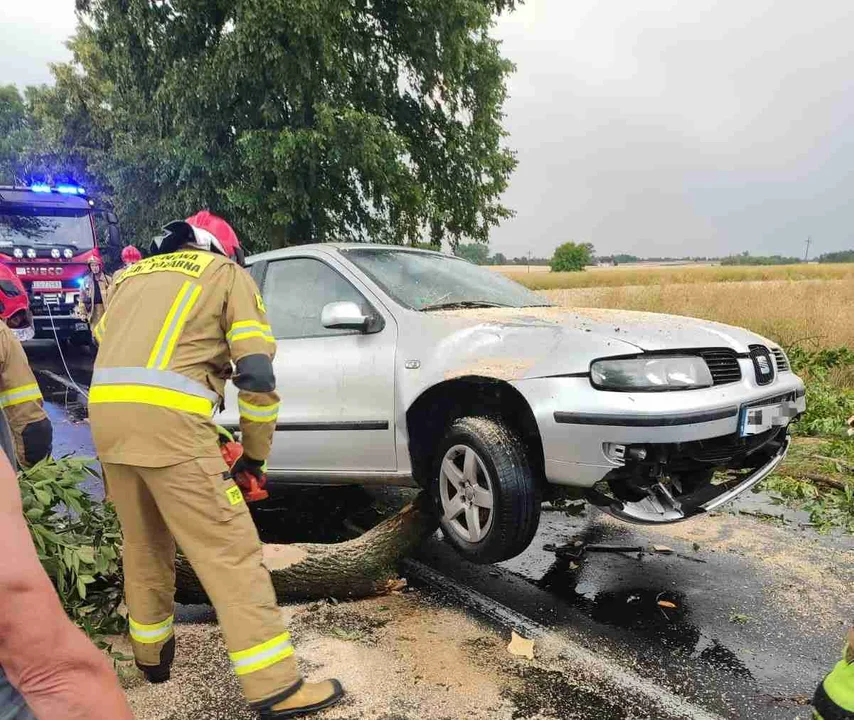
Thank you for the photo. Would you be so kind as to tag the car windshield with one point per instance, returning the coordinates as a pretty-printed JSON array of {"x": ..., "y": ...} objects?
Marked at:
[
  {"x": 29, "y": 227},
  {"x": 430, "y": 281}
]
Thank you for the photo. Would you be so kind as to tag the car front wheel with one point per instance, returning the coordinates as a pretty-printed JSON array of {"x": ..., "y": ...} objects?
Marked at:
[{"x": 488, "y": 497}]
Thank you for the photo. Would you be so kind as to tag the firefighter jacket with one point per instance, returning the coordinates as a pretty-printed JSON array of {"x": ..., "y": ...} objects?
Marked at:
[
  {"x": 21, "y": 401},
  {"x": 173, "y": 325},
  {"x": 93, "y": 297}
]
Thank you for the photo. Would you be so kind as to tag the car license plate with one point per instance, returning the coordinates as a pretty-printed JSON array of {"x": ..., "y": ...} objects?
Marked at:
[
  {"x": 47, "y": 284},
  {"x": 761, "y": 418}
]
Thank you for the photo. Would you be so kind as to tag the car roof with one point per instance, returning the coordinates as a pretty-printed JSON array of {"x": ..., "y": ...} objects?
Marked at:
[{"x": 337, "y": 247}]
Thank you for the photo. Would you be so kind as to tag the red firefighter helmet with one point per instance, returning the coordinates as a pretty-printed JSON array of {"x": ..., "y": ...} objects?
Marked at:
[
  {"x": 130, "y": 255},
  {"x": 203, "y": 229},
  {"x": 15, "y": 305}
]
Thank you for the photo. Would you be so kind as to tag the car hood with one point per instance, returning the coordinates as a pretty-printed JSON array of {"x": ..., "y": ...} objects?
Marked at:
[{"x": 517, "y": 343}]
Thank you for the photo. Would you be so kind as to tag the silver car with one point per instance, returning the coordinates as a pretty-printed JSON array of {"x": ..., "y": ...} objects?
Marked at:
[{"x": 409, "y": 367}]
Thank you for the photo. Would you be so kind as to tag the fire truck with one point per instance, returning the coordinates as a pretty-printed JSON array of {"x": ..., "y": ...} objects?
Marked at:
[{"x": 47, "y": 237}]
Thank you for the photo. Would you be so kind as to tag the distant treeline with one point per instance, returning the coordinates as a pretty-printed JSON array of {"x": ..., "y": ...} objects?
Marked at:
[
  {"x": 478, "y": 253},
  {"x": 622, "y": 259},
  {"x": 843, "y": 256},
  {"x": 499, "y": 259},
  {"x": 760, "y": 260},
  {"x": 837, "y": 257}
]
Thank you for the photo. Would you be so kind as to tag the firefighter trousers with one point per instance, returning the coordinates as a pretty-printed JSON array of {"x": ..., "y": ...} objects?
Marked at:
[{"x": 197, "y": 506}]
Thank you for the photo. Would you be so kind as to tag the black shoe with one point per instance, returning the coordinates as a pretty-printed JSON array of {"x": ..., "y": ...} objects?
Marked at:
[{"x": 161, "y": 672}]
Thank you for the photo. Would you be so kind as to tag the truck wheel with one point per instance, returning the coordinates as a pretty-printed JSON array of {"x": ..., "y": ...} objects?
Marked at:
[{"x": 488, "y": 497}]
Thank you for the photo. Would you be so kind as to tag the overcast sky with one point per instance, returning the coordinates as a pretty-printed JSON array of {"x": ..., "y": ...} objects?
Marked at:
[{"x": 654, "y": 127}]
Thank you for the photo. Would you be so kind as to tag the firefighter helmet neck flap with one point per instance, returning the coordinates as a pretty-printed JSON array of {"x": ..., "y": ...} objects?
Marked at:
[{"x": 204, "y": 230}]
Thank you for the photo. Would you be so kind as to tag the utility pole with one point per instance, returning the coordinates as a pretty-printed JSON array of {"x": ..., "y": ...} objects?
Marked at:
[
  {"x": 807, "y": 253},
  {"x": 529, "y": 261}
]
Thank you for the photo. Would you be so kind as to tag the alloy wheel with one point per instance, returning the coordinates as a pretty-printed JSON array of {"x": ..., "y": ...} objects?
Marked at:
[{"x": 466, "y": 493}]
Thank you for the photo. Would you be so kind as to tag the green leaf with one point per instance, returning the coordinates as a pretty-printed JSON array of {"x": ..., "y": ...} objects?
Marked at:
[
  {"x": 43, "y": 497},
  {"x": 86, "y": 538},
  {"x": 87, "y": 554}
]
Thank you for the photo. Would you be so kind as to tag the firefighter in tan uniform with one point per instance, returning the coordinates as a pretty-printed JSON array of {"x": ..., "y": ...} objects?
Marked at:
[
  {"x": 20, "y": 397},
  {"x": 174, "y": 324},
  {"x": 94, "y": 293}
]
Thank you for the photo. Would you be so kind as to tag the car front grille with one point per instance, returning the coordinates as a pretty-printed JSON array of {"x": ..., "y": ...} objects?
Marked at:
[
  {"x": 723, "y": 364},
  {"x": 780, "y": 360},
  {"x": 721, "y": 449}
]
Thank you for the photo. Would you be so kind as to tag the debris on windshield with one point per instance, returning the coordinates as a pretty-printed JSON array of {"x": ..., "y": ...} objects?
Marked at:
[{"x": 461, "y": 304}]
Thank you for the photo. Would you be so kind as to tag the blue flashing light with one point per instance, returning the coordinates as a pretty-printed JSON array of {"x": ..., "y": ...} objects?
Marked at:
[
  {"x": 68, "y": 189},
  {"x": 40, "y": 187},
  {"x": 79, "y": 282}
]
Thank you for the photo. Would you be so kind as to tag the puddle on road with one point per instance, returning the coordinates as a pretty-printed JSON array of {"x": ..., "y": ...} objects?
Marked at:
[
  {"x": 69, "y": 402},
  {"x": 624, "y": 591},
  {"x": 66, "y": 409},
  {"x": 649, "y": 615}
]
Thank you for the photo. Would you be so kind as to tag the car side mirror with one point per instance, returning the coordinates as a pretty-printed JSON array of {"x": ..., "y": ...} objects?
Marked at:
[{"x": 344, "y": 315}]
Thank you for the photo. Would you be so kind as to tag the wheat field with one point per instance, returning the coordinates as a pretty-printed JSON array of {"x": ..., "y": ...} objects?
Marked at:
[
  {"x": 540, "y": 279},
  {"x": 812, "y": 313}
]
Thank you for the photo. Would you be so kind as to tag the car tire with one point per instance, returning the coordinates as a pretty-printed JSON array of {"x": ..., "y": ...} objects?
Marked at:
[{"x": 481, "y": 456}]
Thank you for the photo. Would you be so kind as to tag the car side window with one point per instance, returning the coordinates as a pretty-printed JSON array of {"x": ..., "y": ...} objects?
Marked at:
[{"x": 296, "y": 291}]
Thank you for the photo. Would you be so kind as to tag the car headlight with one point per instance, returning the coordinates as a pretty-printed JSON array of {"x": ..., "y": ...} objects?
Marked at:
[
  {"x": 31, "y": 253},
  {"x": 18, "y": 253},
  {"x": 655, "y": 373},
  {"x": 54, "y": 253},
  {"x": 67, "y": 253}
]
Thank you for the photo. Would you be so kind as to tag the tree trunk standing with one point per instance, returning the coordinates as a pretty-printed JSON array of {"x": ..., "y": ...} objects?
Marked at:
[{"x": 355, "y": 568}]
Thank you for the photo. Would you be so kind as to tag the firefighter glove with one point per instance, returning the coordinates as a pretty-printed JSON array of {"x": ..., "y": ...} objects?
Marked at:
[{"x": 245, "y": 464}]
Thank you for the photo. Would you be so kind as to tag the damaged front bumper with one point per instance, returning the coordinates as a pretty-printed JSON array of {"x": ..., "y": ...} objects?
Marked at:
[{"x": 663, "y": 506}]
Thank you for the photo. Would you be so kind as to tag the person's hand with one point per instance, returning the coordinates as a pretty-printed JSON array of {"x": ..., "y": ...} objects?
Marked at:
[{"x": 245, "y": 464}]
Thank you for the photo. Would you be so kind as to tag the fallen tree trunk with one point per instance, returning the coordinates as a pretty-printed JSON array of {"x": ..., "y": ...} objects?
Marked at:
[{"x": 364, "y": 566}]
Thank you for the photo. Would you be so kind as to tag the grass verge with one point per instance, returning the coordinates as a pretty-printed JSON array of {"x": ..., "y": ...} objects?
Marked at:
[{"x": 818, "y": 477}]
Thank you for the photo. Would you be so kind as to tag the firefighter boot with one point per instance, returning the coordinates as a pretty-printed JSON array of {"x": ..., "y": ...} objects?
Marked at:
[
  {"x": 309, "y": 698},
  {"x": 834, "y": 697},
  {"x": 160, "y": 673}
]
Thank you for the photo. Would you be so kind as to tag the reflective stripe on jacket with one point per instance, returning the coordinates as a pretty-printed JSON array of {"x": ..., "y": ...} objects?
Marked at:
[{"x": 21, "y": 401}]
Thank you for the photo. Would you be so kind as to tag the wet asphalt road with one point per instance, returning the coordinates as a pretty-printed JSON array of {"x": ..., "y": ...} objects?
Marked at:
[{"x": 721, "y": 638}]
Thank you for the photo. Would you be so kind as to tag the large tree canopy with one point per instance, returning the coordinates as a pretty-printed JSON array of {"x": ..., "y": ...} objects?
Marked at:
[{"x": 299, "y": 120}]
